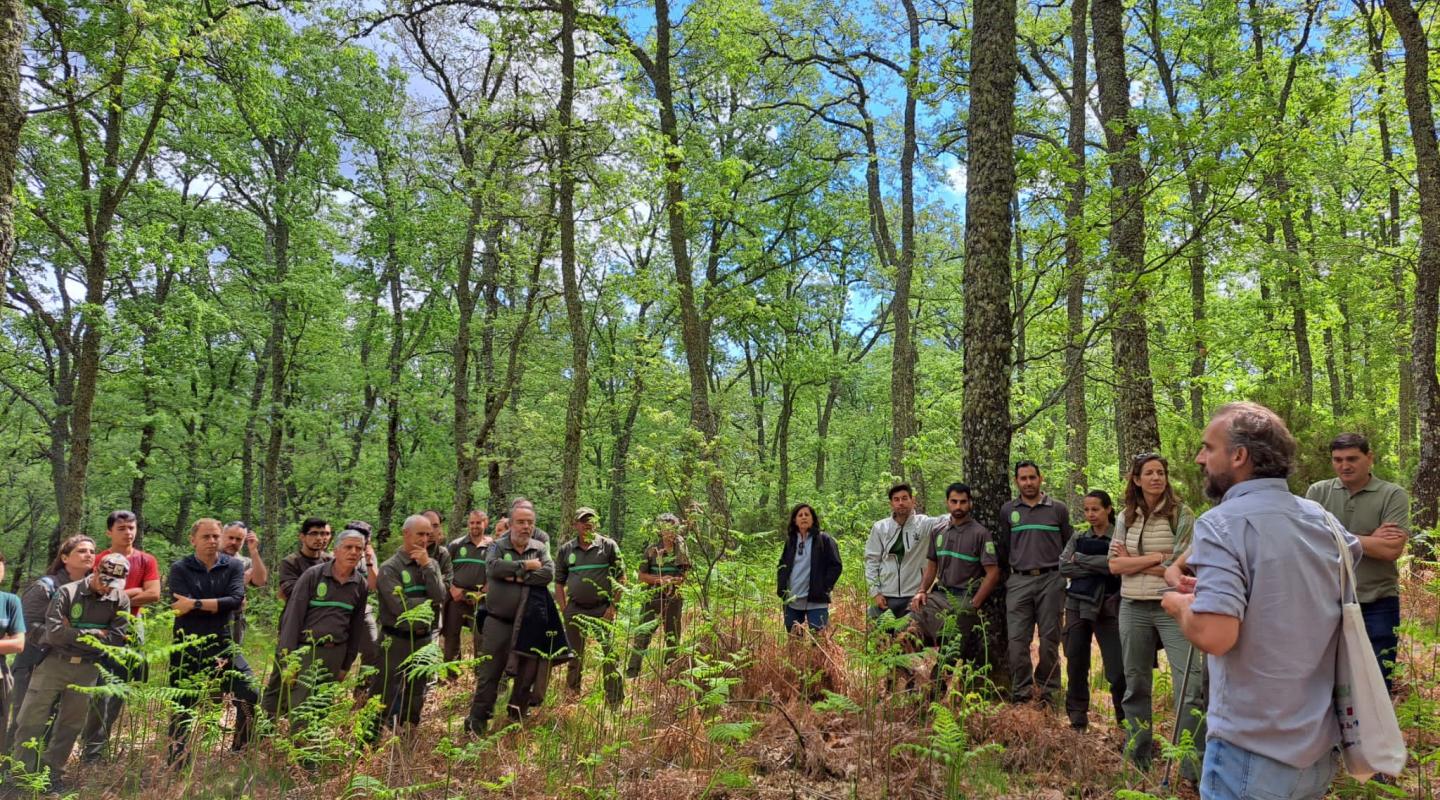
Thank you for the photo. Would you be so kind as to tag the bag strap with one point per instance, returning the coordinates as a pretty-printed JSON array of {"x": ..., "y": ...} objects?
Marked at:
[
  {"x": 1347, "y": 566},
  {"x": 48, "y": 582}
]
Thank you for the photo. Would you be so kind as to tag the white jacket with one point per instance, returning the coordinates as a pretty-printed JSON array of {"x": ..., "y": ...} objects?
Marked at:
[{"x": 897, "y": 577}]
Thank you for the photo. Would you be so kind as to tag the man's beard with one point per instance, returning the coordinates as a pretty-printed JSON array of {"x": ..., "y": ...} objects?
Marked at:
[{"x": 1217, "y": 485}]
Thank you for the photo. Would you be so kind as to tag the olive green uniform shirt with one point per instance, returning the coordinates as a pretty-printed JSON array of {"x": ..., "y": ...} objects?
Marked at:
[
  {"x": 589, "y": 574},
  {"x": 1361, "y": 513}
]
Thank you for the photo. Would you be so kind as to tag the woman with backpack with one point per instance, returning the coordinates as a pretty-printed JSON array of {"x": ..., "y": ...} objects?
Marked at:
[
  {"x": 73, "y": 562},
  {"x": 1092, "y": 611}
]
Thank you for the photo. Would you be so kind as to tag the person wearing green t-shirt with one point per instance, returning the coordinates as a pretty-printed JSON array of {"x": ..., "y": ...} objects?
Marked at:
[{"x": 1378, "y": 513}]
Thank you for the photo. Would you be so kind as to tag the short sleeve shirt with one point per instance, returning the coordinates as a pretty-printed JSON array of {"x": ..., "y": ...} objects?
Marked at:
[
  {"x": 1361, "y": 513},
  {"x": 659, "y": 562},
  {"x": 143, "y": 568},
  {"x": 1037, "y": 533},
  {"x": 588, "y": 574},
  {"x": 1268, "y": 558},
  {"x": 12, "y": 619},
  {"x": 961, "y": 553}
]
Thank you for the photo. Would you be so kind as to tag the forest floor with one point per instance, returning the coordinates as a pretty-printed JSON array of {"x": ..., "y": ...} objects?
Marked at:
[{"x": 746, "y": 713}]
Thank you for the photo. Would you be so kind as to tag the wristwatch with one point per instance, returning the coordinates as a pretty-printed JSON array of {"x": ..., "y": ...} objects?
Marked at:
[{"x": 195, "y": 607}]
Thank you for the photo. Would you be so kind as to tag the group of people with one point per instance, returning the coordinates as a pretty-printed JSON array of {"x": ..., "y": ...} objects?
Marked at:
[
  {"x": 1254, "y": 584},
  {"x": 74, "y": 624}
]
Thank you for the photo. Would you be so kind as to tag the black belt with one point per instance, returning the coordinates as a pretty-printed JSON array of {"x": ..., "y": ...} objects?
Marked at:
[
  {"x": 963, "y": 591},
  {"x": 400, "y": 633},
  {"x": 1034, "y": 572}
]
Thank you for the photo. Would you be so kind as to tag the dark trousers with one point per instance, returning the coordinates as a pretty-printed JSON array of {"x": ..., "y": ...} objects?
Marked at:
[
  {"x": 197, "y": 669},
  {"x": 667, "y": 610},
  {"x": 495, "y": 642},
  {"x": 609, "y": 664},
  {"x": 1382, "y": 617},
  {"x": 104, "y": 710},
  {"x": 402, "y": 692},
  {"x": 1105, "y": 629},
  {"x": 457, "y": 617},
  {"x": 20, "y": 671},
  {"x": 962, "y": 631},
  {"x": 281, "y": 695},
  {"x": 899, "y": 606}
]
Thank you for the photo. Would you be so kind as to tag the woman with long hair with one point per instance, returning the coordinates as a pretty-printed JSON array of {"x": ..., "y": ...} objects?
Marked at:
[
  {"x": 73, "y": 561},
  {"x": 1092, "y": 610},
  {"x": 1155, "y": 528},
  {"x": 809, "y": 567}
]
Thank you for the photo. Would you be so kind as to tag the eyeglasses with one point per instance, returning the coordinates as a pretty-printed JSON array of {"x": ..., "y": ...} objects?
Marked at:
[
  {"x": 1145, "y": 457},
  {"x": 800, "y": 549}
]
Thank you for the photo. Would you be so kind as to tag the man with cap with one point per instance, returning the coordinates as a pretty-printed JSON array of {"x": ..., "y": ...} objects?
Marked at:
[
  {"x": 233, "y": 537},
  {"x": 408, "y": 580},
  {"x": 323, "y": 624},
  {"x": 666, "y": 564},
  {"x": 90, "y": 607},
  {"x": 588, "y": 575},
  {"x": 207, "y": 588},
  {"x": 467, "y": 557},
  {"x": 515, "y": 565}
]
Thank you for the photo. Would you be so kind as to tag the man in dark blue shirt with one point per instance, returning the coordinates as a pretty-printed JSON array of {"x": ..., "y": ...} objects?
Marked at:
[{"x": 206, "y": 590}]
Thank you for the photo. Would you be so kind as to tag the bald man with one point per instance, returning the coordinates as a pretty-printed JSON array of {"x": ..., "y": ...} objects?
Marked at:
[{"x": 408, "y": 580}]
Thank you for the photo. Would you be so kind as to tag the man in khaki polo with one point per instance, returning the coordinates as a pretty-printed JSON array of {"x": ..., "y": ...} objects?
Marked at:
[
  {"x": 1033, "y": 530},
  {"x": 1378, "y": 513},
  {"x": 588, "y": 574}
]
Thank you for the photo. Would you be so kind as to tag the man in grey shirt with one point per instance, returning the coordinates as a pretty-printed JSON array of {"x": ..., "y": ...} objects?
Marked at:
[{"x": 1265, "y": 605}]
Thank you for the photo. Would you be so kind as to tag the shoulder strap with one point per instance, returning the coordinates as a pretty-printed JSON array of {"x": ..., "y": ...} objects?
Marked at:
[
  {"x": 1347, "y": 567},
  {"x": 48, "y": 581}
]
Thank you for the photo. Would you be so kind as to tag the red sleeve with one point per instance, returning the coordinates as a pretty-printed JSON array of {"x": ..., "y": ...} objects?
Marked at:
[{"x": 151, "y": 570}]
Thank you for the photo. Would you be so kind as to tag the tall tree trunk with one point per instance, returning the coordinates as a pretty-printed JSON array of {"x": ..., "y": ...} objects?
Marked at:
[
  {"x": 1135, "y": 392},
  {"x": 692, "y": 327},
  {"x": 466, "y": 462},
  {"x": 279, "y": 309},
  {"x": 1077, "y": 417},
  {"x": 822, "y": 429},
  {"x": 1426, "y": 489},
  {"x": 574, "y": 308},
  {"x": 1390, "y": 237},
  {"x": 12, "y": 117},
  {"x": 989, "y": 185},
  {"x": 782, "y": 446},
  {"x": 903, "y": 353},
  {"x": 247, "y": 442}
]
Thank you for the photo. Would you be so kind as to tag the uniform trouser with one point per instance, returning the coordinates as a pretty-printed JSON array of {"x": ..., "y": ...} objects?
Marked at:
[
  {"x": 50, "y": 688},
  {"x": 281, "y": 696},
  {"x": 403, "y": 695},
  {"x": 667, "y": 609},
  {"x": 104, "y": 710},
  {"x": 1141, "y": 623},
  {"x": 1034, "y": 601},
  {"x": 1105, "y": 629},
  {"x": 495, "y": 642},
  {"x": 954, "y": 638},
  {"x": 457, "y": 618},
  {"x": 197, "y": 668},
  {"x": 20, "y": 671},
  {"x": 609, "y": 664}
]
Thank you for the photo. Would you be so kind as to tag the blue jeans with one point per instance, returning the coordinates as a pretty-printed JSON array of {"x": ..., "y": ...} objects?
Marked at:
[
  {"x": 816, "y": 618},
  {"x": 1233, "y": 773},
  {"x": 1382, "y": 617}
]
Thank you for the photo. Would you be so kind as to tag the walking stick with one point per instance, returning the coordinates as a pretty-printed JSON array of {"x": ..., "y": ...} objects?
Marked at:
[{"x": 1179, "y": 704}]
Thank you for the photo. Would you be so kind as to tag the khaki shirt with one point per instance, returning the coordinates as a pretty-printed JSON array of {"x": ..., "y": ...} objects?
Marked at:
[
  {"x": 659, "y": 562},
  {"x": 403, "y": 585},
  {"x": 76, "y": 611},
  {"x": 1361, "y": 513},
  {"x": 468, "y": 561},
  {"x": 326, "y": 611},
  {"x": 589, "y": 574},
  {"x": 1036, "y": 534},
  {"x": 961, "y": 553}
]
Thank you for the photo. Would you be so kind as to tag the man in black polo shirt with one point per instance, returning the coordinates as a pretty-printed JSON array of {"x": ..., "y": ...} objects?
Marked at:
[
  {"x": 324, "y": 623},
  {"x": 206, "y": 590},
  {"x": 314, "y": 548},
  {"x": 588, "y": 574},
  {"x": 1033, "y": 530}
]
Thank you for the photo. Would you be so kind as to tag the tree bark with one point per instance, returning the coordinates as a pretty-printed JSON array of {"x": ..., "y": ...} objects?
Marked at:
[
  {"x": 1426, "y": 489},
  {"x": 989, "y": 184},
  {"x": 570, "y": 279},
  {"x": 903, "y": 353},
  {"x": 1135, "y": 392},
  {"x": 1077, "y": 417},
  {"x": 12, "y": 118}
]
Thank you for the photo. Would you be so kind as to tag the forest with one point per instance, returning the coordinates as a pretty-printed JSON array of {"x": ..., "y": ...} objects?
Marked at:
[{"x": 267, "y": 259}]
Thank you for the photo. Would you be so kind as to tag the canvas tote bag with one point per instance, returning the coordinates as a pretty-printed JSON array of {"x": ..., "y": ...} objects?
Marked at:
[{"x": 1370, "y": 738}]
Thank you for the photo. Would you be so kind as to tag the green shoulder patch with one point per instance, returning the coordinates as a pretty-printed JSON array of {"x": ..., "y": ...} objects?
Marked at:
[
  {"x": 1014, "y": 516},
  {"x": 405, "y": 576},
  {"x": 464, "y": 551},
  {"x": 990, "y": 548},
  {"x": 322, "y": 589},
  {"x": 939, "y": 540},
  {"x": 571, "y": 559},
  {"x": 77, "y": 611}
]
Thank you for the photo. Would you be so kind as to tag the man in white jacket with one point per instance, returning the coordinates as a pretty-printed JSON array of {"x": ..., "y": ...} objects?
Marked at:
[{"x": 895, "y": 554}]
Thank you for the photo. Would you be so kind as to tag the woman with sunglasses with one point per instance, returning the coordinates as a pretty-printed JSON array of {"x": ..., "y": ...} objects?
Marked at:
[
  {"x": 1154, "y": 528},
  {"x": 809, "y": 567}
]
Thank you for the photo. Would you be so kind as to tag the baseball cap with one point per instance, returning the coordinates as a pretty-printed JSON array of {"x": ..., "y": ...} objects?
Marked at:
[
  {"x": 585, "y": 511},
  {"x": 113, "y": 569}
]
